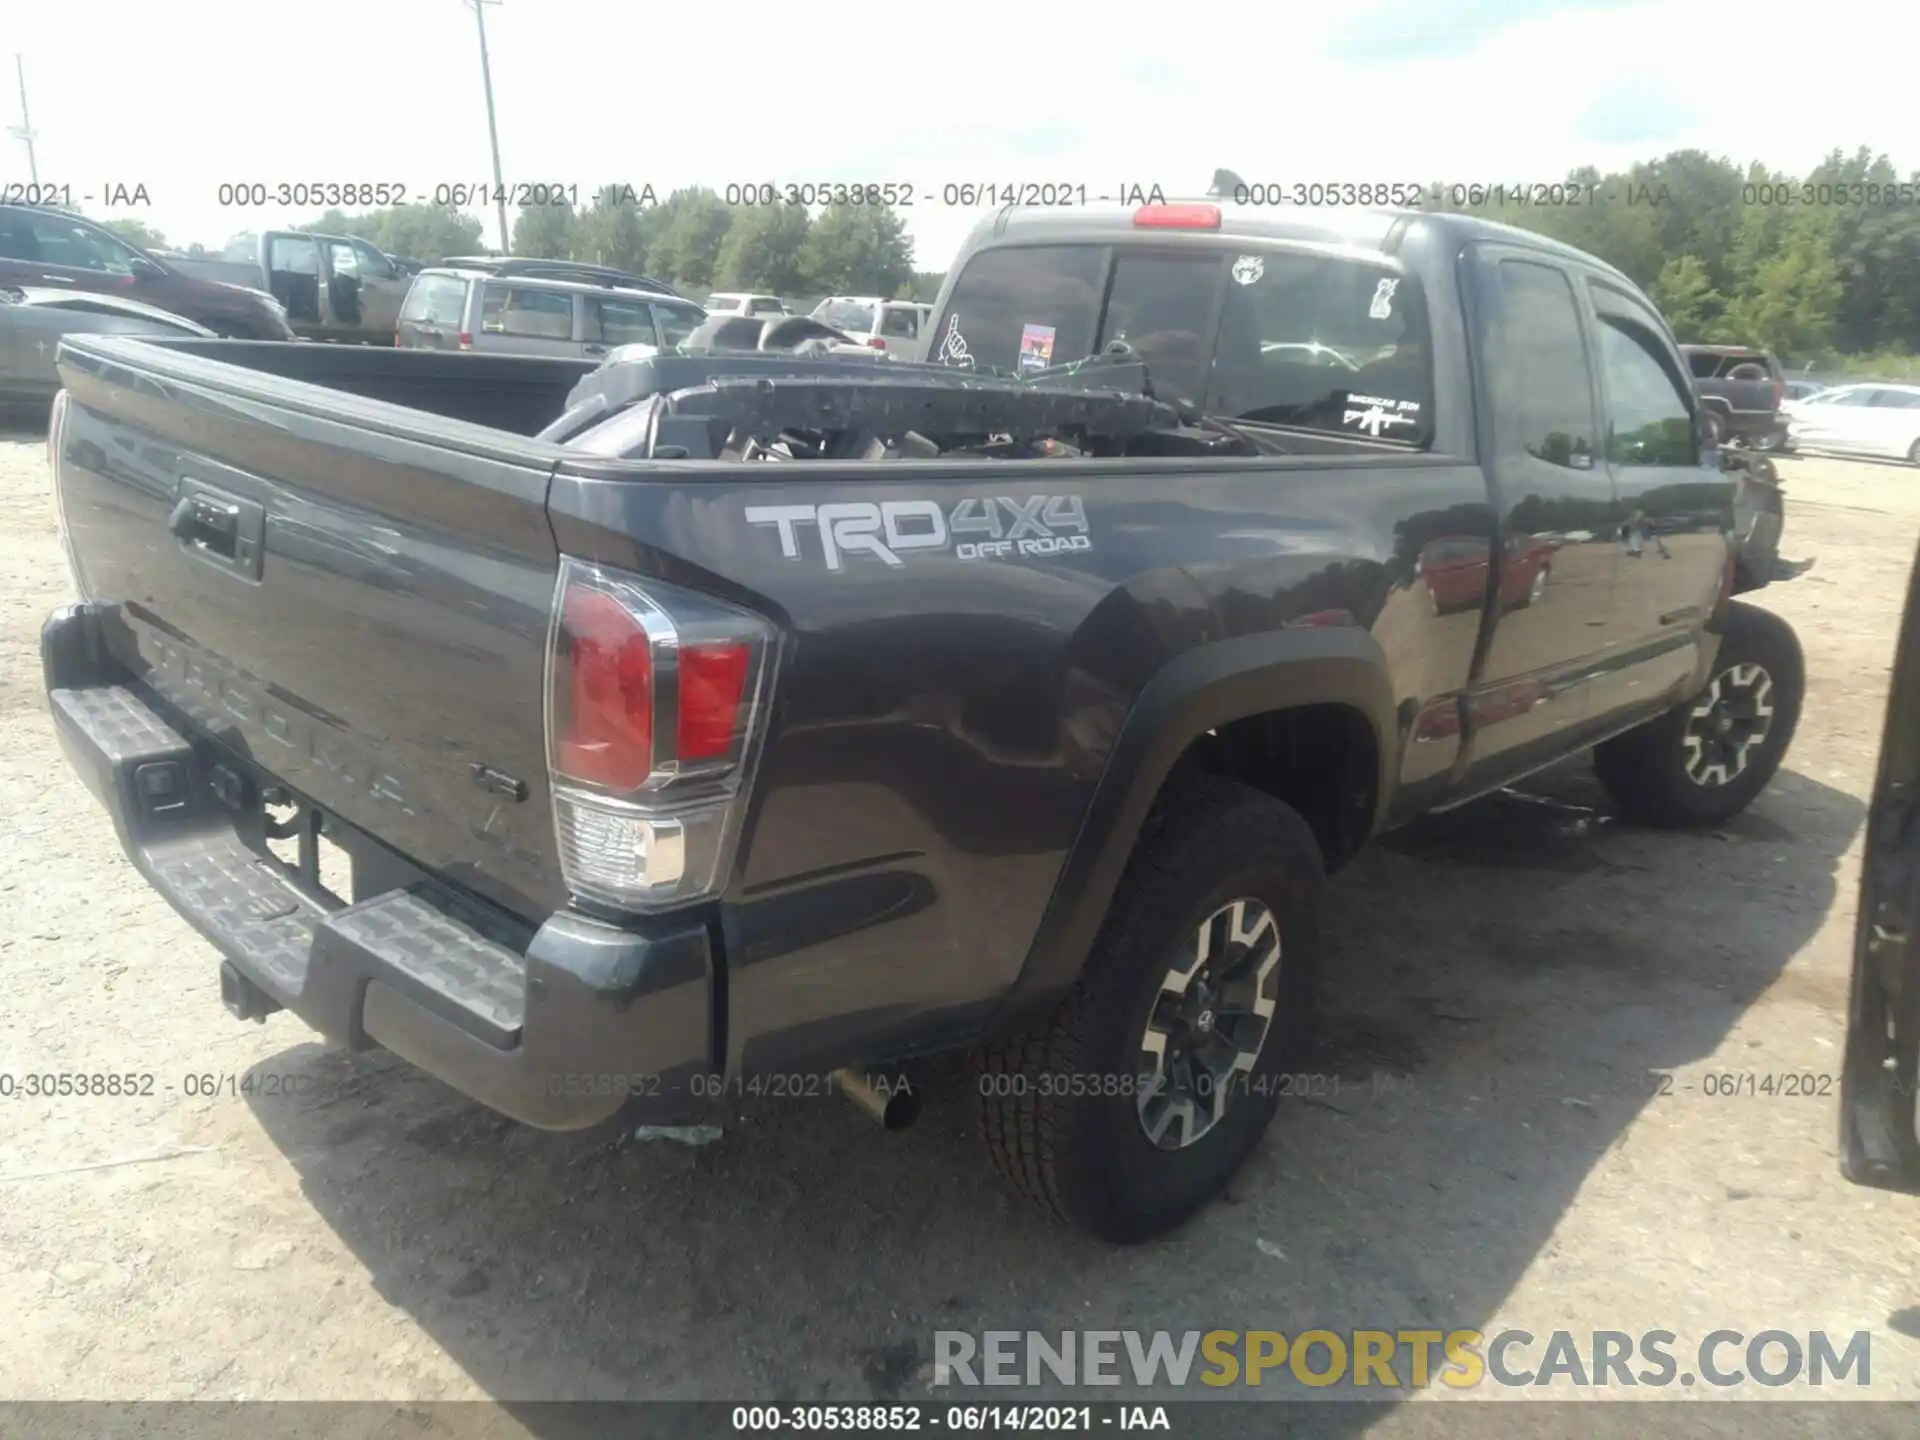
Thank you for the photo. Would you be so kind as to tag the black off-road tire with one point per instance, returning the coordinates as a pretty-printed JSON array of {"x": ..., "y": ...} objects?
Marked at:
[
  {"x": 1646, "y": 770},
  {"x": 1049, "y": 1120}
]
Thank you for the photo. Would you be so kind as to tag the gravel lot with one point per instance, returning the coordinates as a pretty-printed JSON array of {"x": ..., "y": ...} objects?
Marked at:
[{"x": 1500, "y": 983}]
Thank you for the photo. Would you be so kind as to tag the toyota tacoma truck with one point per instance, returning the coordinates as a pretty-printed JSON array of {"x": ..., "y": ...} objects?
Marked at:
[{"x": 766, "y": 713}]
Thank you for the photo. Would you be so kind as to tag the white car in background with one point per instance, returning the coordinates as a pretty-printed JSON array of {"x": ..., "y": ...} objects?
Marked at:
[
  {"x": 896, "y": 326},
  {"x": 1865, "y": 419},
  {"x": 757, "y": 307}
]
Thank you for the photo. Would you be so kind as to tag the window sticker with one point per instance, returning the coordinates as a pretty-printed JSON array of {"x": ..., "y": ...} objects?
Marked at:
[
  {"x": 1248, "y": 269},
  {"x": 953, "y": 346},
  {"x": 1382, "y": 306},
  {"x": 1375, "y": 413},
  {"x": 1036, "y": 347}
]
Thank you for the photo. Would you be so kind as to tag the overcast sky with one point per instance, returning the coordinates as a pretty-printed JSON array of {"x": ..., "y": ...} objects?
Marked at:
[{"x": 184, "y": 96}]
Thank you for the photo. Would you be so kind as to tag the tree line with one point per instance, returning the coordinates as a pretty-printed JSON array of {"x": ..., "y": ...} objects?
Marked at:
[{"x": 1823, "y": 269}]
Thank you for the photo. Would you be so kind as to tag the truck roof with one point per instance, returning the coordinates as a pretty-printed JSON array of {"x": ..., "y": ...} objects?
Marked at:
[{"x": 1355, "y": 227}]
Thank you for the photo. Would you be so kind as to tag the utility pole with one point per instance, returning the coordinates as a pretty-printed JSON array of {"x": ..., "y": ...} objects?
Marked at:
[
  {"x": 24, "y": 130},
  {"x": 493, "y": 131}
]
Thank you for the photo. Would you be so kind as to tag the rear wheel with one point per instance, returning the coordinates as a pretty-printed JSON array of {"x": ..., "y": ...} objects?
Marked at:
[
  {"x": 1155, "y": 1079},
  {"x": 1712, "y": 428},
  {"x": 1704, "y": 761}
]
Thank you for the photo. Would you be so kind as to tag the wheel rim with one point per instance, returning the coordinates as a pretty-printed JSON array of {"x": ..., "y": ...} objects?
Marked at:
[
  {"x": 1728, "y": 724},
  {"x": 1208, "y": 1022}
]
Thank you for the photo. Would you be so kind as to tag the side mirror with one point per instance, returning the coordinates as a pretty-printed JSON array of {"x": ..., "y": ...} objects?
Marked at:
[{"x": 142, "y": 266}]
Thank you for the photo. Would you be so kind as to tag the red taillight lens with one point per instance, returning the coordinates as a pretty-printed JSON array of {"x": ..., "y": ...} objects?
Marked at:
[
  {"x": 466, "y": 340},
  {"x": 1779, "y": 393},
  {"x": 604, "y": 733},
  {"x": 1177, "y": 217},
  {"x": 396, "y": 341},
  {"x": 712, "y": 680},
  {"x": 876, "y": 342}
]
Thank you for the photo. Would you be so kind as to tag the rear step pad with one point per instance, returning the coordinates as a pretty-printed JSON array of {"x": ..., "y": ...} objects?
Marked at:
[
  {"x": 230, "y": 892},
  {"x": 288, "y": 940},
  {"x": 476, "y": 982}
]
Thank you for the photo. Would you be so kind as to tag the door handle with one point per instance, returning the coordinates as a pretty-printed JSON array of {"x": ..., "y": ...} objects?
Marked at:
[
  {"x": 593, "y": 349},
  {"x": 221, "y": 529}
]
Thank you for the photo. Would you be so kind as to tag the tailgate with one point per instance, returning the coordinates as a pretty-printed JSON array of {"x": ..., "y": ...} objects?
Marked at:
[{"x": 353, "y": 595}]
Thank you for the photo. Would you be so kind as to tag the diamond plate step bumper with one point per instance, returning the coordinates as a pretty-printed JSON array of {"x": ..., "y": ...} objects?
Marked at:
[{"x": 561, "y": 1030}]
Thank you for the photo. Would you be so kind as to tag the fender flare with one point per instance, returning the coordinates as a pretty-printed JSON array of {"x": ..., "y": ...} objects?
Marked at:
[{"x": 1199, "y": 691}]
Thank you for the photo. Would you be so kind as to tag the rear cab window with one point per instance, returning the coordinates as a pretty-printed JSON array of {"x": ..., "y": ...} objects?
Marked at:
[
  {"x": 676, "y": 323},
  {"x": 526, "y": 311},
  {"x": 1266, "y": 335}
]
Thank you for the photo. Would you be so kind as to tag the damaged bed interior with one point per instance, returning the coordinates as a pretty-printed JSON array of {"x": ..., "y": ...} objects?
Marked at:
[{"x": 714, "y": 402}]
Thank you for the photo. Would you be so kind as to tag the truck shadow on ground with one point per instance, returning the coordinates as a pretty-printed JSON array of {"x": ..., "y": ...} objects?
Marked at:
[{"x": 1452, "y": 1110}]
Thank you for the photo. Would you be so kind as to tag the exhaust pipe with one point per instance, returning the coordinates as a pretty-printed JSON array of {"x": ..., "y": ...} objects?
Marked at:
[{"x": 890, "y": 1098}]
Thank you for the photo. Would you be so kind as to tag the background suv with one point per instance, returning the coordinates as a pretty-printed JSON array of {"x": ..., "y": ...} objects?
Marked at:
[
  {"x": 457, "y": 309},
  {"x": 42, "y": 248}
]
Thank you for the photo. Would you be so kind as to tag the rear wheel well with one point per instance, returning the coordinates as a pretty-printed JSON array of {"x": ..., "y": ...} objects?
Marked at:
[{"x": 1322, "y": 760}]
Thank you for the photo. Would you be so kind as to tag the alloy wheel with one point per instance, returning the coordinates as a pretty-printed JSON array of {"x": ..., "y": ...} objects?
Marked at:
[
  {"x": 1208, "y": 1022},
  {"x": 1728, "y": 724}
]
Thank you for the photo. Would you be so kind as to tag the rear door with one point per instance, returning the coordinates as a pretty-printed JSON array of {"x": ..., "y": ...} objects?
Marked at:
[
  {"x": 1880, "y": 1076},
  {"x": 617, "y": 320},
  {"x": 382, "y": 289},
  {"x": 525, "y": 319},
  {"x": 1540, "y": 439},
  {"x": 1675, "y": 512},
  {"x": 434, "y": 313}
]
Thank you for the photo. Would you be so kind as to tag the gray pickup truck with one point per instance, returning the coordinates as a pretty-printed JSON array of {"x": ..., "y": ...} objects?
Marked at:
[
  {"x": 334, "y": 287},
  {"x": 712, "y": 716}
]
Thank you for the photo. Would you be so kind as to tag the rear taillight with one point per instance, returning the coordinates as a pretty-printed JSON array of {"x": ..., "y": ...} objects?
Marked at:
[
  {"x": 655, "y": 704},
  {"x": 1779, "y": 393},
  {"x": 875, "y": 342},
  {"x": 56, "y": 423},
  {"x": 397, "y": 343},
  {"x": 466, "y": 340}
]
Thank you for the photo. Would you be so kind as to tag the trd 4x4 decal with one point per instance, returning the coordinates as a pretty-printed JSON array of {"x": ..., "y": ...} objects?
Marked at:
[{"x": 884, "y": 529}]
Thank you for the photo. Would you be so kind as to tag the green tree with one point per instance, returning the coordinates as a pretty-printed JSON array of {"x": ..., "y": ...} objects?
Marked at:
[
  {"x": 763, "y": 249},
  {"x": 1685, "y": 294},
  {"x": 613, "y": 230},
  {"x": 692, "y": 226},
  {"x": 136, "y": 232},
  {"x": 424, "y": 232},
  {"x": 859, "y": 250},
  {"x": 544, "y": 232}
]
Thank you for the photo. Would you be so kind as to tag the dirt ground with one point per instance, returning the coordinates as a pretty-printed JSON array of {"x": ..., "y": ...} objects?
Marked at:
[{"x": 1501, "y": 981}]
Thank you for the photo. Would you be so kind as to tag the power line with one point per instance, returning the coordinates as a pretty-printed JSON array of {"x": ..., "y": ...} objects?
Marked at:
[{"x": 493, "y": 130}]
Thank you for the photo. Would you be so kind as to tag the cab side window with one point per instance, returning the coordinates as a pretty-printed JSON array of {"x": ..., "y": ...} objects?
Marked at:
[
  {"x": 1648, "y": 422},
  {"x": 1539, "y": 379}
]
